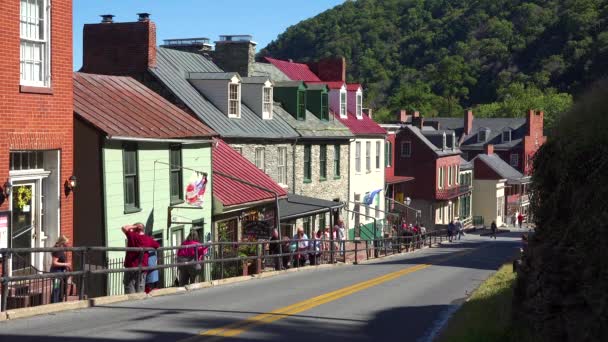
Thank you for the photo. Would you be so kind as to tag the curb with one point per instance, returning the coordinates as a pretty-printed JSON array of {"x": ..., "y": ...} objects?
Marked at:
[
  {"x": 46, "y": 309},
  {"x": 100, "y": 301}
]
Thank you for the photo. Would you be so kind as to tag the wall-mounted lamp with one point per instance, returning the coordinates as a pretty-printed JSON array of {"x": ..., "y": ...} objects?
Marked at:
[
  {"x": 70, "y": 185},
  {"x": 7, "y": 189},
  {"x": 408, "y": 201}
]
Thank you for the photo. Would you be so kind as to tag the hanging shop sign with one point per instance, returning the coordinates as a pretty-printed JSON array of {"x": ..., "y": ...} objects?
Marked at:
[
  {"x": 5, "y": 223},
  {"x": 257, "y": 230},
  {"x": 195, "y": 190}
]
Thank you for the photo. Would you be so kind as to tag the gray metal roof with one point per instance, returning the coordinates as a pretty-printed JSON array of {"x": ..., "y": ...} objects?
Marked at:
[
  {"x": 438, "y": 151},
  {"x": 172, "y": 68},
  {"x": 255, "y": 80},
  {"x": 503, "y": 169},
  {"x": 296, "y": 206},
  {"x": 212, "y": 75},
  {"x": 495, "y": 125},
  {"x": 268, "y": 70},
  {"x": 465, "y": 165},
  {"x": 313, "y": 127}
]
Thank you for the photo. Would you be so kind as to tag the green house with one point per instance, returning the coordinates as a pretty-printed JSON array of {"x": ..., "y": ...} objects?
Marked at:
[
  {"x": 317, "y": 100},
  {"x": 135, "y": 155},
  {"x": 292, "y": 95}
]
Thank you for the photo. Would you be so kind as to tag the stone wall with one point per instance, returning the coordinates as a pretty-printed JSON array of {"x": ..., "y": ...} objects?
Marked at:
[{"x": 271, "y": 159}]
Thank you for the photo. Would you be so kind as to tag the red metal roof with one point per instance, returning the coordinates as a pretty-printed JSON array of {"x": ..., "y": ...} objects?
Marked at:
[
  {"x": 295, "y": 71},
  {"x": 391, "y": 179},
  {"x": 353, "y": 86},
  {"x": 230, "y": 192},
  {"x": 121, "y": 106},
  {"x": 330, "y": 85},
  {"x": 364, "y": 126}
]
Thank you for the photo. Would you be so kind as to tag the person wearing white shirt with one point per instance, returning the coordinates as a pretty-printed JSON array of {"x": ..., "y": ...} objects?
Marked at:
[{"x": 302, "y": 246}]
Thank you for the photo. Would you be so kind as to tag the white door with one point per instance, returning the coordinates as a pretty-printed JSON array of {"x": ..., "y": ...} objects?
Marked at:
[{"x": 25, "y": 205}]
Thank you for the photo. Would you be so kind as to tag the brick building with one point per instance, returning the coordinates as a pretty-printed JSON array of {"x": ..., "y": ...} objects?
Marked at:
[{"x": 37, "y": 120}]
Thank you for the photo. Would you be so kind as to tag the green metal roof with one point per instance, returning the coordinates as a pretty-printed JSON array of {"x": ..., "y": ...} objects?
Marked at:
[{"x": 313, "y": 127}]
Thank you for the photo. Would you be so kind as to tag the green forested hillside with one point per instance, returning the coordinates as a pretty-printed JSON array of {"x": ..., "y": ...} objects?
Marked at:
[{"x": 440, "y": 56}]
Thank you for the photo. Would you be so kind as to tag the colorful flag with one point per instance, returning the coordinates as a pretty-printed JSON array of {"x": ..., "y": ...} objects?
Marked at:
[
  {"x": 369, "y": 197},
  {"x": 195, "y": 191}
]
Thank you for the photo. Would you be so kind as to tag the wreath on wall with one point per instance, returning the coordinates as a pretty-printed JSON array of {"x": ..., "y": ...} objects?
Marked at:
[{"x": 24, "y": 195}]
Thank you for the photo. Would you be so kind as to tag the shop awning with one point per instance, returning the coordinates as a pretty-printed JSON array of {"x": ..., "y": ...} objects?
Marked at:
[
  {"x": 397, "y": 179},
  {"x": 297, "y": 206}
]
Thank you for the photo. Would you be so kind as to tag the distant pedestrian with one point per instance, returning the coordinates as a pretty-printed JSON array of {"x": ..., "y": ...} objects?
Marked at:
[
  {"x": 342, "y": 236},
  {"x": 187, "y": 273},
  {"x": 286, "y": 249},
  {"x": 60, "y": 263},
  {"x": 493, "y": 229},
  {"x": 520, "y": 219},
  {"x": 315, "y": 248},
  {"x": 136, "y": 238},
  {"x": 451, "y": 229},
  {"x": 274, "y": 249},
  {"x": 459, "y": 228}
]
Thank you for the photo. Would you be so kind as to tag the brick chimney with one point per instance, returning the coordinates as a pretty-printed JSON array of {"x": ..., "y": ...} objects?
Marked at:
[
  {"x": 119, "y": 48},
  {"x": 468, "y": 122},
  {"x": 402, "y": 115},
  {"x": 534, "y": 122},
  {"x": 417, "y": 120},
  {"x": 235, "y": 53},
  {"x": 330, "y": 69},
  {"x": 489, "y": 149}
]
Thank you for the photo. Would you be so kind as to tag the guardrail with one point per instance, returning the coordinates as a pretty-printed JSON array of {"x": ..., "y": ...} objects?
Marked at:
[{"x": 261, "y": 255}]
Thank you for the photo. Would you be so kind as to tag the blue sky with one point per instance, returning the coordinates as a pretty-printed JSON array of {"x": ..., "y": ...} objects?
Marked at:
[{"x": 264, "y": 19}]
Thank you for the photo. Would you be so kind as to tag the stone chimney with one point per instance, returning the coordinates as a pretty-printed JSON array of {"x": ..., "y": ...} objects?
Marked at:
[
  {"x": 402, "y": 115},
  {"x": 330, "y": 69},
  {"x": 119, "y": 48},
  {"x": 417, "y": 120},
  {"x": 468, "y": 122},
  {"x": 489, "y": 149},
  {"x": 534, "y": 122},
  {"x": 235, "y": 53}
]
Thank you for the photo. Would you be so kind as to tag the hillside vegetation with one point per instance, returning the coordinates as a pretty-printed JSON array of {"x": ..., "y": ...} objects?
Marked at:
[{"x": 440, "y": 56}]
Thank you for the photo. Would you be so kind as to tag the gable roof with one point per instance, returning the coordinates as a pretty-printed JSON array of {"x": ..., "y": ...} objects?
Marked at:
[
  {"x": 231, "y": 192},
  {"x": 268, "y": 70},
  {"x": 501, "y": 168},
  {"x": 440, "y": 152},
  {"x": 295, "y": 71},
  {"x": 361, "y": 127},
  {"x": 465, "y": 165},
  {"x": 313, "y": 127},
  {"x": 121, "y": 106},
  {"x": 172, "y": 68},
  {"x": 496, "y": 126}
]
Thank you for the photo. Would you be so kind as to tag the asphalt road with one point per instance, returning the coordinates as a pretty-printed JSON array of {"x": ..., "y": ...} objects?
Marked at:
[{"x": 401, "y": 298}]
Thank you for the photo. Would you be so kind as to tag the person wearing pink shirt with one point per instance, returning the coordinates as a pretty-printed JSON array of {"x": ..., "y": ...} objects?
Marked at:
[{"x": 187, "y": 273}]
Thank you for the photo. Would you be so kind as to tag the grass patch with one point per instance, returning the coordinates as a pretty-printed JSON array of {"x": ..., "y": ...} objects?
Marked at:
[{"x": 487, "y": 314}]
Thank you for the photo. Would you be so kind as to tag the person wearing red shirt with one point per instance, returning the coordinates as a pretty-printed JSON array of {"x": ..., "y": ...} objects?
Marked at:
[{"x": 136, "y": 238}]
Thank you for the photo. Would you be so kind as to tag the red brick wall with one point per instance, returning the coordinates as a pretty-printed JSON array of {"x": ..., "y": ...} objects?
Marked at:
[
  {"x": 119, "y": 48},
  {"x": 533, "y": 140},
  {"x": 483, "y": 171},
  {"x": 32, "y": 121},
  {"x": 330, "y": 69}
]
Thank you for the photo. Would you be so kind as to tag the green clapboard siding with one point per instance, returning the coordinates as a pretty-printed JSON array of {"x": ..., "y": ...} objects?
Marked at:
[{"x": 288, "y": 97}]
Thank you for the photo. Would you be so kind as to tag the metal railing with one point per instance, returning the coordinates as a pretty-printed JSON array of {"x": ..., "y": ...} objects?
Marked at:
[{"x": 224, "y": 259}]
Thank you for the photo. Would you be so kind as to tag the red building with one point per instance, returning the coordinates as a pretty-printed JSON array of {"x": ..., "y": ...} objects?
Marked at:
[
  {"x": 36, "y": 133},
  {"x": 515, "y": 140},
  {"x": 432, "y": 158}
]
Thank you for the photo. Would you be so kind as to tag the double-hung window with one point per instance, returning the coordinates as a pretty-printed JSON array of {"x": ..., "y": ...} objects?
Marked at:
[
  {"x": 450, "y": 175},
  {"x": 323, "y": 162},
  {"x": 440, "y": 178},
  {"x": 35, "y": 33},
  {"x": 368, "y": 156},
  {"x": 234, "y": 100},
  {"x": 343, "y": 104},
  {"x": 267, "y": 103},
  {"x": 358, "y": 156},
  {"x": 359, "y": 106},
  {"x": 514, "y": 160},
  {"x": 388, "y": 154},
  {"x": 176, "y": 175},
  {"x": 282, "y": 165},
  {"x": 336, "y": 161},
  {"x": 307, "y": 164},
  {"x": 301, "y": 115},
  {"x": 260, "y": 154},
  {"x": 377, "y": 155},
  {"x": 406, "y": 149},
  {"x": 131, "y": 177}
]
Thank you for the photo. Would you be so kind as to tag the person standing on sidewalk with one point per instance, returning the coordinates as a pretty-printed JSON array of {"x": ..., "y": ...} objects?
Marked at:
[
  {"x": 459, "y": 229},
  {"x": 451, "y": 230},
  {"x": 187, "y": 273},
  {"x": 301, "y": 247},
  {"x": 493, "y": 228},
  {"x": 274, "y": 249},
  {"x": 136, "y": 238},
  {"x": 342, "y": 236},
  {"x": 59, "y": 264},
  {"x": 520, "y": 219}
]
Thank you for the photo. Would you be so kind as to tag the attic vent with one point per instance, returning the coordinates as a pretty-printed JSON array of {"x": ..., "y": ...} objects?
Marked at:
[{"x": 506, "y": 136}]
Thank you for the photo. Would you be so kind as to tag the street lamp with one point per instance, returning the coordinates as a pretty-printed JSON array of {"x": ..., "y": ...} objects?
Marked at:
[{"x": 408, "y": 201}]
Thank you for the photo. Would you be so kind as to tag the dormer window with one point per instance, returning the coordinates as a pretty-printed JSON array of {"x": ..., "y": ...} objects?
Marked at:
[
  {"x": 483, "y": 134},
  {"x": 324, "y": 107},
  {"x": 445, "y": 144},
  {"x": 343, "y": 104},
  {"x": 359, "y": 106},
  {"x": 301, "y": 115},
  {"x": 234, "y": 100},
  {"x": 267, "y": 103},
  {"x": 506, "y": 136},
  {"x": 453, "y": 141}
]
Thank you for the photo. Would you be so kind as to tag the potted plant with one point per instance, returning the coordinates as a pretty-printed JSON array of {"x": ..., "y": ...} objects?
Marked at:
[{"x": 249, "y": 250}]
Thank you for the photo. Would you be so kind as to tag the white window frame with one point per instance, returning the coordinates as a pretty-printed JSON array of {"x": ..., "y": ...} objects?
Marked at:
[
  {"x": 267, "y": 103},
  {"x": 43, "y": 43},
  {"x": 403, "y": 149},
  {"x": 359, "y": 107},
  {"x": 514, "y": 160},
  {"x": 358, "y": 156},
  {"x": 234, "y": 101},
  {"x": 343, "y": 103},
  {"x": 368, "y": 156},
  {"x": 378, "y": 156},
  {"x": 260, "y": 161},
  {"x": 440, "y": 181},
  {"x": 282, "y": 165},
  {"x": 450, "y": 175}
]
